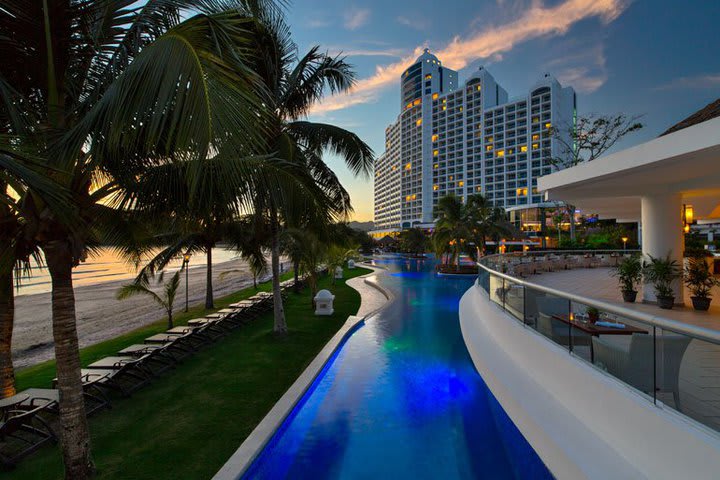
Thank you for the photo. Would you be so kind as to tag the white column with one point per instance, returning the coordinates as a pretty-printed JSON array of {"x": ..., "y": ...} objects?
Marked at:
[{"x": 662, "y": 234}]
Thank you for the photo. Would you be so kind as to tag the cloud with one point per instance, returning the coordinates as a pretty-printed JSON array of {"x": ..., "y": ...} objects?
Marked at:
[
  {"x": 585, "y": 71},
  {"x": 537, "y": 21},
  {"x": 412, "y": 22},
  {"x": 366, "y": 52},
  {"x": 355, "y": 18},
  {"x": 710, "y": 80}
]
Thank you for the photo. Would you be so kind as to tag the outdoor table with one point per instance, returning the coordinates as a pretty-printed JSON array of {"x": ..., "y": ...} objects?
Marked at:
[{"x": 597, "y": 330}]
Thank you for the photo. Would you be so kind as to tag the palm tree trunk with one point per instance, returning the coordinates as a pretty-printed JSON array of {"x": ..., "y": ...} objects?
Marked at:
[
  {"x": 279, "y": 326},
  {"x": 7, "y": 315},
  {"x": 170, "y": 318},
  {"x": 75, "y": 435},
  {"x": 296, "y": 276},
  {"x": 209, "y": 303}
]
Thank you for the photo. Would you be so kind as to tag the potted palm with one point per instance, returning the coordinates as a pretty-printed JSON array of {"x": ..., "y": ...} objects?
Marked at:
[
  {"x": 661, "y": 272},
  {"x": 700, "y": 280},
  {"x": 629, "y": 274}
]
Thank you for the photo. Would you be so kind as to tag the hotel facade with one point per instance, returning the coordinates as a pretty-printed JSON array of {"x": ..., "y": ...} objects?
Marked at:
[{"x": 467, "y": 139}]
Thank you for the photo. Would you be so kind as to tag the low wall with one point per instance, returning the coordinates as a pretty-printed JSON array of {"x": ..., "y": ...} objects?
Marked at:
[{"x": 581, "y": 421}]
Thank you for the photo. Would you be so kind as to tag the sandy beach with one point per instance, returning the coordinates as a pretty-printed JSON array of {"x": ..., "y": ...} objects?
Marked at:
[{"x": 100, "y": 316}]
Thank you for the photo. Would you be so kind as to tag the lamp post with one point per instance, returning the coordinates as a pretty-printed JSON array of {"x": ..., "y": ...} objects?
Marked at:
[
  {"x": 624, "y": 239},
  {"x": 186, "y": 263}
]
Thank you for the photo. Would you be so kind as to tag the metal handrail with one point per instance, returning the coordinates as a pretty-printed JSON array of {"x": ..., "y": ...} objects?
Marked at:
[{"x": 701, "y": 333}]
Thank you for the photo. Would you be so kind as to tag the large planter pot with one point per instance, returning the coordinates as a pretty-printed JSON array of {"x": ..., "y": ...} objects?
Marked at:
[
  {"x": 666, "y": 302},
  {"x": 701, "y": 303},
  {"x": 629, "y": 296}
]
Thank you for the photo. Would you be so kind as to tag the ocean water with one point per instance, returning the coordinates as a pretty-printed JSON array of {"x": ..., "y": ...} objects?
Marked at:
[
  {"x": 106, "y": 265},
  {"x": 401, "y": 400}
]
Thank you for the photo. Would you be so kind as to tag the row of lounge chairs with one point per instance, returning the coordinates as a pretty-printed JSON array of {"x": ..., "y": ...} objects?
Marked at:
[{"x": 26, "y": 418}]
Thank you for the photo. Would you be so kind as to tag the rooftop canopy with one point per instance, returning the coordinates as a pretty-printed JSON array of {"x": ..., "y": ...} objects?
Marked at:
[{"x": 685, "y": 162}]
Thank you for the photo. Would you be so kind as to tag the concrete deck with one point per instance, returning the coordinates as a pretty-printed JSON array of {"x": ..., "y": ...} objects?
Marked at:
[{"x": 700, "y": 368}]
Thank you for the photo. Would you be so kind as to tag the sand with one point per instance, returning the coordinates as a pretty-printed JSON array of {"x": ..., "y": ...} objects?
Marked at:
[{"x": 100, "y": 316}]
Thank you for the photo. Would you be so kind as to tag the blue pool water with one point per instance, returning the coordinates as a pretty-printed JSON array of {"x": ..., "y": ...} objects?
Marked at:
[{"x": 401, "y": 399}]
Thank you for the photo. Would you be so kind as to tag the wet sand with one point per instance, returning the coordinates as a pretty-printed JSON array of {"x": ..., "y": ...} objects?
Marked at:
[{"x": 100, "y": 316}]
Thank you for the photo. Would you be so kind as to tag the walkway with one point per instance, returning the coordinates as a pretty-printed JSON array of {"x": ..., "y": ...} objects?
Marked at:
[{"x": 700, "y": 370}]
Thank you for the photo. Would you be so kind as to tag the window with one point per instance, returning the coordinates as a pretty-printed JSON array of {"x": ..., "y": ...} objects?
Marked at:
[
  {"x": 418, "y": 122},
  {"x": 536, "y": 137},
  {"x": 434, "y": 138},
  {"x": 435, "y": 153},
  {"x": 408, "y": 166},
  {"x": 461, "y": 183},
  {"x": 428, "y": 76},
  {"x": 435, "y": 187},
  {"x": 501, "y": 153},
  {"x": 435, "y": 96},
  {"x": 548, "y": 125},
  {"x": 523, "y": 148},
  {"x": 489, "y": 148}
]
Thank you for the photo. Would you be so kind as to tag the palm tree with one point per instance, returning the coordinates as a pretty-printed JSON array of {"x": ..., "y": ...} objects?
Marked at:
[
  {"x": 142, "y": 287},
  {"x": 293, "y": 86},
  {"x": 451, "y": 229},
  {"x": 485, "y": 221},
  {"x": 104, "y": 89},
  {"x": 413, "y": 240}
]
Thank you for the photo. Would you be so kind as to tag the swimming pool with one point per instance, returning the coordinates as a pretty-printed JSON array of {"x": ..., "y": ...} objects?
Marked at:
[{"x": 401, "y": 399}]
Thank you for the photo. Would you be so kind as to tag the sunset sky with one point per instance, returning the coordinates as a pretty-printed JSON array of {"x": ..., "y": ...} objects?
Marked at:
[{"x": 656, "y": 58}]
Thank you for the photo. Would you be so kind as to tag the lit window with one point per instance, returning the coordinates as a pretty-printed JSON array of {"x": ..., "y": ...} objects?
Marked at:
[
  {"x": 489, "y": 148},
  {"x": 501, "y": 153},
  {"x": 434, "y": 138},
  {"x": 444, "y": 108},
  {"x": 418, "y": 101},
  {"x": 408, "y": 198},
  {"x": 536, "y": 137},
  {"x": 435, "y": 153},
  {"x": 521, "y": 192},
  {"x": 428, "y": 76},
  {"x": 414, "y": 196},
  {"x": 510, "y": 151},
  {"x": 548, "y": 125},
  {"x": 478, "y": 189},
  {"x": 418, "y": 122},
  {"x": 444, "y": 100},
  {"x": 435, "y": 96},
  {"x": 535, "y": 119},
  {"x": 436, "y": 165},
  {"x": 523, "y": 148},
  {"x": 408, "y": 166},
  {"x": 461, "y": 183},
  {"x": 535, "y": 146},
  {"x": 409, "y": 105},
  {"x": 478, "y": 88},
  {"x": 461, "y": 109},
  {"x": 489, "y": 139},
  {"x": 435, "y": 187}
]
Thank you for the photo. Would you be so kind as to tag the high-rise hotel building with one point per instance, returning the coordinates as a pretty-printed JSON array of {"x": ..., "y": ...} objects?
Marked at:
[{"x": 465, "y": 139}]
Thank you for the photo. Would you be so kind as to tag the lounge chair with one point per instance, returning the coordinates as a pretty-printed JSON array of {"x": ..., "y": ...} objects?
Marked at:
[
  {"x": 124, "y": 378},
  {"x": 23, "y": 431},
  {"x": 633, "y": 364}
]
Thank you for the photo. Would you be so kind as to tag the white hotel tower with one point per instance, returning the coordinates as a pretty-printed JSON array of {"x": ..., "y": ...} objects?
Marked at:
[{"x": 452, "y": 139}]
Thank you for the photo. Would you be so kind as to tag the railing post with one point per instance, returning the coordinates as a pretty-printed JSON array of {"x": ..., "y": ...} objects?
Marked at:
[
  {"x": 569, "y": 323},
  {"x": 502, "y": 293},
  {"x": 654, "y": 365}
]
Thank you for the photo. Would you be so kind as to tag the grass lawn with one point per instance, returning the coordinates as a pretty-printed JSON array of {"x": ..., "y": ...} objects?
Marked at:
[{"x": 188, "y": 422}]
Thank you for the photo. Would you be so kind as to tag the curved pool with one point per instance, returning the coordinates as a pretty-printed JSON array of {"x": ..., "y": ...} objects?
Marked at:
[{"x": 401, "y": 399}]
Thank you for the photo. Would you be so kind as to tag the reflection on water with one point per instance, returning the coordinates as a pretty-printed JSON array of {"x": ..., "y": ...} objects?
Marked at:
[
  {"x": 107, "y": 265},
  {"x": 402, "y": 399}
]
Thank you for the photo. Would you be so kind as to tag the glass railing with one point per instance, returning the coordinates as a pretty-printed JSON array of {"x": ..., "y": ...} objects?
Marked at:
[{"x": 673, "y": 364}]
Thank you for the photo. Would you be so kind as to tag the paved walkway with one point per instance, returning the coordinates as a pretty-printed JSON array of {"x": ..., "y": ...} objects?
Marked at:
[{"x": 700, "y": 368}]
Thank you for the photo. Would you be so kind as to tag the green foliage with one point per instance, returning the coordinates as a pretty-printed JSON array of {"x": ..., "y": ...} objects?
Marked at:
[
  {"x": 141, "y": 286},
  {"x": 629, "y": 273},
  {"x": 698, "y": 277},
  {"x": 661, "y": 272},
  {"x": 413, "y": 240}
]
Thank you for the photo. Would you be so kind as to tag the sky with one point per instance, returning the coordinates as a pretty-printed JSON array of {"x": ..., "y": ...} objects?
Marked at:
[{"x": 655, "y": 58}]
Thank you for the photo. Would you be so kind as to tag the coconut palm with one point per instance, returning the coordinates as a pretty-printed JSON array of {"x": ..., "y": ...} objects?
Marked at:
[
  {"x": 293, "y": 85},
  {"x": 485, "y": 221},
  {"x": 451, "y": 229},
  {"x": 102, "y": 90},
  {"x": 142, "y": 287}
]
